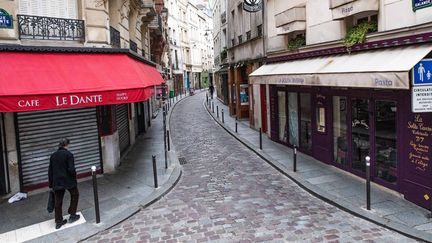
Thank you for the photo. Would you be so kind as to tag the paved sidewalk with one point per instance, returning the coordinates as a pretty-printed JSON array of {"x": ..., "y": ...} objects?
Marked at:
[
  {"x": 333, "y": 185},
  {"x": 121, "y": 194}
]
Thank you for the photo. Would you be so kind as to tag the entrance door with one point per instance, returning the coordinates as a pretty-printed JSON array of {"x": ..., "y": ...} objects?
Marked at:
[
  {"x": 322, "y": 134},
  {"x": 139, "y": 109},
  {"x": 360, "y": 134}
]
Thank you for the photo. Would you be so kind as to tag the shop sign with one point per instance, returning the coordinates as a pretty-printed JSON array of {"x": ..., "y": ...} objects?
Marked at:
[
  {"x": 419, "y": 149},
  {"x": 419, "y": 4},
  {"x": 421, "y": 99},
  {"x": 252, "y": 5},
  {"x": 6, "y": 20},
  {"x": 422, "y": 72}
]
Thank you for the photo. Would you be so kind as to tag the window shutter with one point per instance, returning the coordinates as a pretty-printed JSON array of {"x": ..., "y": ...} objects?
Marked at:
[{"x": 50, "y": 8}]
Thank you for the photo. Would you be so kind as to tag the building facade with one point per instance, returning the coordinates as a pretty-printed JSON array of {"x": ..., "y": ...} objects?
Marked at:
[
  {"x": 87, "y": 71},
  {"x": 245, "y": 54},
  {"x": 340, "y": 98},
  {"x": 220, "y": 40}
]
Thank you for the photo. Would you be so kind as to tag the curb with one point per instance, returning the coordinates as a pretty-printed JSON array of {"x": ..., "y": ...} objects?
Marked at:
[{"x": 324, "y": 196}]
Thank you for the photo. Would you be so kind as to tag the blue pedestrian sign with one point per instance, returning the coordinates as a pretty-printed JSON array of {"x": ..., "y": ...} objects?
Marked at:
[
  {"x": 422, "y": 72},
  {"x": 6, "y": 21}
]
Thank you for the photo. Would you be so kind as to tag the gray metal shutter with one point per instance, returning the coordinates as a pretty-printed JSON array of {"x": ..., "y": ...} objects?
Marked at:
[
  {"x": 40, "y": 131},
  {"x": 122, "y": 120}
]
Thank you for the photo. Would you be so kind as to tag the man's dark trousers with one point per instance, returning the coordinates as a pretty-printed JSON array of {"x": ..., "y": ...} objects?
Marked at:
[{"x": 59, "y": 194}]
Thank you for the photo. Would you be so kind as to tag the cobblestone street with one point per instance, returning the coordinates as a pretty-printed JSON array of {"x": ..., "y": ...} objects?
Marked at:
[{"x": 228, "y": 194}]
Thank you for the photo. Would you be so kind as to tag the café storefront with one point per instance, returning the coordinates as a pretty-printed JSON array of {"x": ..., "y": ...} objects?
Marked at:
[
  {"x": 340, "y": 109},
  {"x": 52, "y": 95}
]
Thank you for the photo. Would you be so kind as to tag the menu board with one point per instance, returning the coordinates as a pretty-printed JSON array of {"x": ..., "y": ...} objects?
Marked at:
[{"x": 420, "y": 140}]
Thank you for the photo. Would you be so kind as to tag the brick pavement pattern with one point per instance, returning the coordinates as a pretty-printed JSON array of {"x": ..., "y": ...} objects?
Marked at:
[{"x": 228, "y": 194}]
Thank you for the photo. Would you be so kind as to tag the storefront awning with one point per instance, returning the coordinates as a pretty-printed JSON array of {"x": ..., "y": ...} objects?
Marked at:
[
  {"x": 39, "y": 81},
  {"x": 385, "y": 68}
]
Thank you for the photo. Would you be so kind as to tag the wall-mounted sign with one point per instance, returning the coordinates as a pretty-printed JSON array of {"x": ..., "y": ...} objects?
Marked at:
[
  {"x": 422, "y": 72},
  {"x": 6, "y": 20},
  {"x": 421, "y": 99},
  {"x": 252, "y": 5},
  {"x": 419, "y": 4}
]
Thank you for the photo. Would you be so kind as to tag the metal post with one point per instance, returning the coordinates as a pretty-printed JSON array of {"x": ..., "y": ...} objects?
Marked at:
[
  {"x": 155, "y": 179},
  {"x": 95, "y": 192},
  {"x": 217, "y": 111},
  {"x": 168, "y": 140},
  {"x": 368, "y": 196},
  {"x": 236, "y": 125},
  {"x": 207, "y": 99},
  {"x": 295, "y": 159},
  {"x": 260, "y": 138},
  {"x": 165, "y": 143},
  {"x": 213, "y": 107},
  {"x": 223, "y": 121}
]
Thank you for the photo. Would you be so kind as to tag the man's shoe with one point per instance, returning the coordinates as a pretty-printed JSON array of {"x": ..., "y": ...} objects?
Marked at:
[
  {"x": 58, "y": 226},
  {"x": 73, "y": 218}
]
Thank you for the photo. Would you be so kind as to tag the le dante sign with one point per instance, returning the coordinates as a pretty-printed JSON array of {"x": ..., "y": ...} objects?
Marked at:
[
  {"x": 252, "y": 5},
  {"x": 419, "y": 4}
]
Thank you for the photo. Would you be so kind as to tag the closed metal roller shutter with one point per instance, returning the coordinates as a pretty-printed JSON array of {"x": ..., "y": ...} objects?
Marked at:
[
  {"x": 122, "y": 119},
  {"x": 39, "y": 133}
]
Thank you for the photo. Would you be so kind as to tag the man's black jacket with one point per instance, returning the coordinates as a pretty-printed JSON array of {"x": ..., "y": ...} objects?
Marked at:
[{"x": 61, "y": 172}]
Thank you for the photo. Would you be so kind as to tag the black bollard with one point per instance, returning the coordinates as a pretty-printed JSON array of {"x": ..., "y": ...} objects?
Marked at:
[
  {"x": 223, "y": 121},
  {"x": 95, "y": 192},
  {"x": 236, "y": 126},
  {"x": 165, "y": 144},
  {"x": 295, "y": 159},
  {"x": 368, "y": 196},
  {"x": 168, "y": 139},
  {"x": 155, "y": 179},
  {"x": 260, "y": 138},
  {"x": 207, "y": 99},
  {"x": 217, "y": 111},
  {"x": 213, "y": 107}
]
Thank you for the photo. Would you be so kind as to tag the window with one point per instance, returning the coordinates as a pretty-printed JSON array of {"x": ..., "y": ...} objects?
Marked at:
[
  {"x": 233, "y": 42},
  {"x": 259, "y": 30},
  {"x": 366, "y": 19},
  {"x": 59, "y": 9},
  {"x": 248, "y": 35},
  {"x": 340, "y": 130},
  {"x": 240, "y": 39}
]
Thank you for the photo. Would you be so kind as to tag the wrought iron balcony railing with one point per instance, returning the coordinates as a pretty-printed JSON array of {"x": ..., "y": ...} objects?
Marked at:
[
  {"x": 47, "y": 28},
  {"x": 115, "y": 37}
]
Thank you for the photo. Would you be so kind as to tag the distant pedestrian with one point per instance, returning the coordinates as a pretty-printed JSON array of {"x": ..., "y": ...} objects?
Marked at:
[
  {"x": 211, "y": 88},
  {"x": 62, "y": 176}
]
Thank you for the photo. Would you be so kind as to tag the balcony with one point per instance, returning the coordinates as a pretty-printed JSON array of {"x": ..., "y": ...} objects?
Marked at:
[
  {"x": 344, "y": 8},
  {"x": 291, "y": 20},
  {"x": 156, "y": 24},
  {"x": 47, "y": 28},
  {"x": 114, "y": 37}
]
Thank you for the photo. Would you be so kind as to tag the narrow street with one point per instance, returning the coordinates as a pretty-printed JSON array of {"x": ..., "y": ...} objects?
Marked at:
[{"x": 228, "y": 194}]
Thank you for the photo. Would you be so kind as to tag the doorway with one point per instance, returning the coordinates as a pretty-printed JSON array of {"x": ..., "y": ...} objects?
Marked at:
[{"x": 366, "y": 127}]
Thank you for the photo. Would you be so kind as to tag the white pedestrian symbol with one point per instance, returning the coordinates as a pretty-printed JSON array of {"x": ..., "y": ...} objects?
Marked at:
[
  {"x": 429, "y": 75},
  {"x": 421, "y": 71}
]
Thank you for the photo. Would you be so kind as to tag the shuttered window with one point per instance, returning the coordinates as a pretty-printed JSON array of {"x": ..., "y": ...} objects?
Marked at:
[
  {"x": 39, "y": 133},
  {"x": 67, "y": 9},
  {"x": 122, "y": 119}
]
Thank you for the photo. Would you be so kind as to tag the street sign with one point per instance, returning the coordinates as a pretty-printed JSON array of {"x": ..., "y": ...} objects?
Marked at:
[
  {"x": 419, "y": 4},
  {"x": 422, "y": 72},
  {"x": 252, "y": 5},
  {"x": 421, "y": 99},
  {"x": 6, "y": 20}
]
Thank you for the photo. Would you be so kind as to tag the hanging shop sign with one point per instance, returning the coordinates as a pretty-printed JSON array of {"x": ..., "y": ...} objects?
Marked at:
[
  {"x": 252, "y": 5},
  {"x": 419, "y": 4},
  {"x": 6, "y": 20}
]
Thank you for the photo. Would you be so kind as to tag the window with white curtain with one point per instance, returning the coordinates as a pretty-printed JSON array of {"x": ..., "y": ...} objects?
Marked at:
[{"x": 67, "y": 9}]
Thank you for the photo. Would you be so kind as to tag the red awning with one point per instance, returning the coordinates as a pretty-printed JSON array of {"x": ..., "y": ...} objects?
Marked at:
[{"x": 40, "y": 81}]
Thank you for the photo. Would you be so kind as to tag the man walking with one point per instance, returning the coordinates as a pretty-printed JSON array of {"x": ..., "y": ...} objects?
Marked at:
[
  {"x": 211, "y": 91},
  {"x": 62, "y": 176}
]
